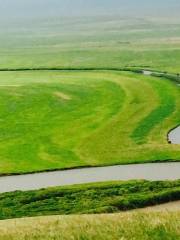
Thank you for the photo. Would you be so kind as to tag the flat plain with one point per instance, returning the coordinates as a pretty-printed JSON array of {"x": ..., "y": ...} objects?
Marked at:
[
  {"x": 104, "y": 41},
  {"x": 66, "y": 119}
]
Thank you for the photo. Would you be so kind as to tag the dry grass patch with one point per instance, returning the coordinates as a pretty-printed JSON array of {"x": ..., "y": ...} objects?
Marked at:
[
  {"x": 126, "y": 226},
  {"x": 62, "y": 96}
]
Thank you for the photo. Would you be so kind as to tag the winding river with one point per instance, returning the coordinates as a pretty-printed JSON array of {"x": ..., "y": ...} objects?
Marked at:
[{"x": 149, "y": 171}]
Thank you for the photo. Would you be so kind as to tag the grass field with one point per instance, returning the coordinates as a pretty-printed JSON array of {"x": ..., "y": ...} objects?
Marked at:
[
  {"x": 56, "y": 120},
  {"x": 106, "y": 41},
  {"x": 126, "y": 226},
  {"x": 109, "y": 197}
]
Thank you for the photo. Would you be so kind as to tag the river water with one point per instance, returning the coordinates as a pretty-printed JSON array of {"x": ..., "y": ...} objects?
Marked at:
[
  {"x": 174, "y": 136},
  {"x": 150, "y": 171}
]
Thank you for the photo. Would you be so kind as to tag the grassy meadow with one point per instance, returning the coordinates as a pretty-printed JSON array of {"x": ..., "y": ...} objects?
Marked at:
[
  {"x": 104, "y": 41},
  {"x": 126, "y": 226},
  {"x": 66, "y": 119}
]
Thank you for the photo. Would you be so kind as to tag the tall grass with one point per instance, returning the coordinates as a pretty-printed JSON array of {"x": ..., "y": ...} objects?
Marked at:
[{"x": 129, "y": 226}]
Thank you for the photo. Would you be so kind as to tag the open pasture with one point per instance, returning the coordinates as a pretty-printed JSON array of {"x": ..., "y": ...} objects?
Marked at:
[
  {"x": 101, "y": 41},
  {"x": 67, "y": 119}
]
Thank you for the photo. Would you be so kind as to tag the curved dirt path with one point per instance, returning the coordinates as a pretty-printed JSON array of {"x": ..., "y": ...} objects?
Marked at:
[{"x": 149, "y": 171}]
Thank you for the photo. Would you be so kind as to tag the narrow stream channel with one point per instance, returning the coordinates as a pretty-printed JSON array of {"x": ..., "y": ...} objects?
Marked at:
[{"x": 149, "y": 171}]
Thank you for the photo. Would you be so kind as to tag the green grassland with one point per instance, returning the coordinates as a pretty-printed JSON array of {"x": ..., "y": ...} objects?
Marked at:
[
  {"x": 126, "y": 226},
  {"x": 66, "y": 119},
  {"x": 93, "y": 42},
  {"x": 109, "y": 197},
  {"x": 56, "y": 120}
]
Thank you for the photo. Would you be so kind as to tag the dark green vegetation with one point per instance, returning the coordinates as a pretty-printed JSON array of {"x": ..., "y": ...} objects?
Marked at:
[
  {"x": 92, "y": 198},
  {"x": 66, "y": 119}
]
